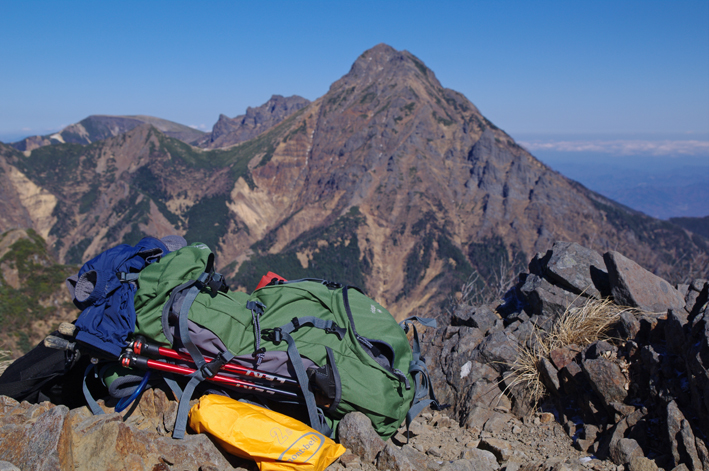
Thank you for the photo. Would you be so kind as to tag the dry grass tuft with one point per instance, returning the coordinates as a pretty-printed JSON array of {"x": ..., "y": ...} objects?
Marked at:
[
  {"x": 525, "y": 370},
  {"x": 579, "y": 326},
  {"x": 586, "y": 324}
]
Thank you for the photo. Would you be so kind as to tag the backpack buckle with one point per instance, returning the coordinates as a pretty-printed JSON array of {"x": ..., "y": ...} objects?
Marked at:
[
  {"x": 337, "y": 330},
  {"x": 272, "y": 335},
  {"x": 210, "y": 369},
  {"x": 215, "y": 282}
]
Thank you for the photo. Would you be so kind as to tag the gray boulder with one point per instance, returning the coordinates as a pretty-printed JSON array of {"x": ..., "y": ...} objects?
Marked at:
[
  {"x": 681, "y": 439},
  {"x": 632, "y": 285},
  {"x": 356, "y": 433},
  {"x": 578, "y": 269}
]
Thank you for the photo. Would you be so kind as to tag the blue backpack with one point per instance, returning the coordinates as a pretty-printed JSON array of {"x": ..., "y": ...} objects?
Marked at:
[{"x": 104, "y": 289}]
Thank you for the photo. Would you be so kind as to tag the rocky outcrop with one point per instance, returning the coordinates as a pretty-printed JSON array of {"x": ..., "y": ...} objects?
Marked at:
[
  {"x": 640, "y": 394},
  {"x": 637, "y": 399},
  {"x": 230, "y": 131}
]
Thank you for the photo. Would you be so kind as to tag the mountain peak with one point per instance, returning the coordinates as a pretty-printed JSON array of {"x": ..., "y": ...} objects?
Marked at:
[{"x": 384, "y": 63}]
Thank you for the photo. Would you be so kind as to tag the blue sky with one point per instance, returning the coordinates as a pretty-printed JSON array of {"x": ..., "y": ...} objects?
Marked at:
[{"x": 541, "y": 70}]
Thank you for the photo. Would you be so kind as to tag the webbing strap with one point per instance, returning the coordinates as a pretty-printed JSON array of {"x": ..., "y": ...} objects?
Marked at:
[
  {"x": 417, "y": 369},
  {"x": 257, "y": 309},
  {"x": 425, "y": 321},
  {"x": 183, "y": 324},
  {"x": 90, "y": 401},
  {"x": 172, "y": 384},
  {"x": 328, "y": 326},
  {"x": 183, "y": 409},
  {"x": 168, "y": 306},
  {"x": 302, "y": 377},
  {"x": 204, "y": 369}
]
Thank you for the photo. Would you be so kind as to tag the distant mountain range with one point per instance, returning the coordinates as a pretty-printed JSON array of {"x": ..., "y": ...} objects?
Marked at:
[
  {"x": 389, "y": 181},
  {"x": 99, "y": 127}
]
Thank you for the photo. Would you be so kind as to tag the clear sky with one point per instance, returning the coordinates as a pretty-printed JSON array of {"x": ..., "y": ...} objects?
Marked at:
[{"x": 534, "y": 68}]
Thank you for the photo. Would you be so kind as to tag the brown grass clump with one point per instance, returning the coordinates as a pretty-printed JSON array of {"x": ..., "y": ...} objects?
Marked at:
[
  {"x": 580, "y": 326},
  {"x": 584, "y": 325}
]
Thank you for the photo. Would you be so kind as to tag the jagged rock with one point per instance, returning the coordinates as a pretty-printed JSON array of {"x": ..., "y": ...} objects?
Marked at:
[
  {"x": 498, "y": 350},
  {"x": 500, "y": 448},
  {"x": 675, "y": 330},
  {"x": 356, "y": 433},
  {"x": 578, "y": 269},
  {"x": 606, "y": 379},
  {"x": 484, "y": 461},
  {"x": 640, "y": 463},
  {"x": 5, "y": 466},
  {"x": 600, "y": 349},
  {"x": 611, "y": 437},
  {"x": 697, "y": 296},
  {"x": 681, "y": 438},
  {"x": 484, "y": 393},
  {"x": 546, "y": 300},
  {"x": 480, "y": 317},
  {"x": 632, "y": 285},
  {"x": 44, "y": 436},
  {"x": 625, "y": 449},
  {"x": 552, "y": 464},
  {"x": 468, "y": 373},
  {"x": 391, "y": 458},
  {"x": 550, "y": 375},
  {"x": 106, "y": 442},
  {"x": 230, "y": 131},
  {"x": 417, "y": 459},
  {"x": 522, "y": 399},
  {"x": 697, "y": 360},
  {"x": 36, "y": 442},
  {"x": 564, "y": 355},
  {"x": 703, "y": 453},
  {"x": 629, "y": 325},
  {"x": 477, "y": 417},
  {"x": 587, "y": 437}
]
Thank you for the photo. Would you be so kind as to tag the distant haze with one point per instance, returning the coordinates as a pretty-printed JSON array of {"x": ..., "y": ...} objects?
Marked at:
[{"x": 663, "y": 176}]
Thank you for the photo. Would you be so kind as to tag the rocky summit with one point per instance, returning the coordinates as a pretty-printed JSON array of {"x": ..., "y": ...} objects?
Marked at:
[
  {"x": 610, "y": 387},
  {"x": 389, "y": 181}
]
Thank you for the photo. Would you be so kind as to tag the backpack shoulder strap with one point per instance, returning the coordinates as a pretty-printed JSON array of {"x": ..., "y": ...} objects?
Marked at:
[{"x": 419, "y": 373}]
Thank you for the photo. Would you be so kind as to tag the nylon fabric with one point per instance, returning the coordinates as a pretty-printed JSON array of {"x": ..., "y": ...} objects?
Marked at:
[
  {"x": 274, "y": 441},
  {"x": 108, "y": 312}
]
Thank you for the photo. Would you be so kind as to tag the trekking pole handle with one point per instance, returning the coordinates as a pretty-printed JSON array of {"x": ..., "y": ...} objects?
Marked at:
[
  {"x": 67, "y": 328},
  {"x": 58, "y": 343}
]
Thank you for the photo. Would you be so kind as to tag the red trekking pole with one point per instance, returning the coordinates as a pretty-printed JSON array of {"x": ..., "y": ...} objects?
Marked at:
[
  {"x": 130, "y": 360},
  {"x": 141, "y": 346}
]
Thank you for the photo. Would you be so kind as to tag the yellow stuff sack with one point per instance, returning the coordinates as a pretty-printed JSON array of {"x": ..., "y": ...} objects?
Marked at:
[{"x": 274, "y": 441}]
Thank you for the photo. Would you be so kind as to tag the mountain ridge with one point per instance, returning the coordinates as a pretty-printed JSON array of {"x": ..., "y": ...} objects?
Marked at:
[
  {"x": 388, "y": 180},
  {"x": 99, "y": 127}
]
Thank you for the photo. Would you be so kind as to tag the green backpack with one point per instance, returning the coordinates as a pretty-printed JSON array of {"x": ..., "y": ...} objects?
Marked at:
[{"x": 343, "y": 351}]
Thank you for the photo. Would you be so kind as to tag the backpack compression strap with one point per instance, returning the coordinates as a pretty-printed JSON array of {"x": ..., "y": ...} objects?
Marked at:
[
  {"x": 204, "y": 370},
  {"x": 283, "y": 333},
  {"x": 419, "y": 372}
]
